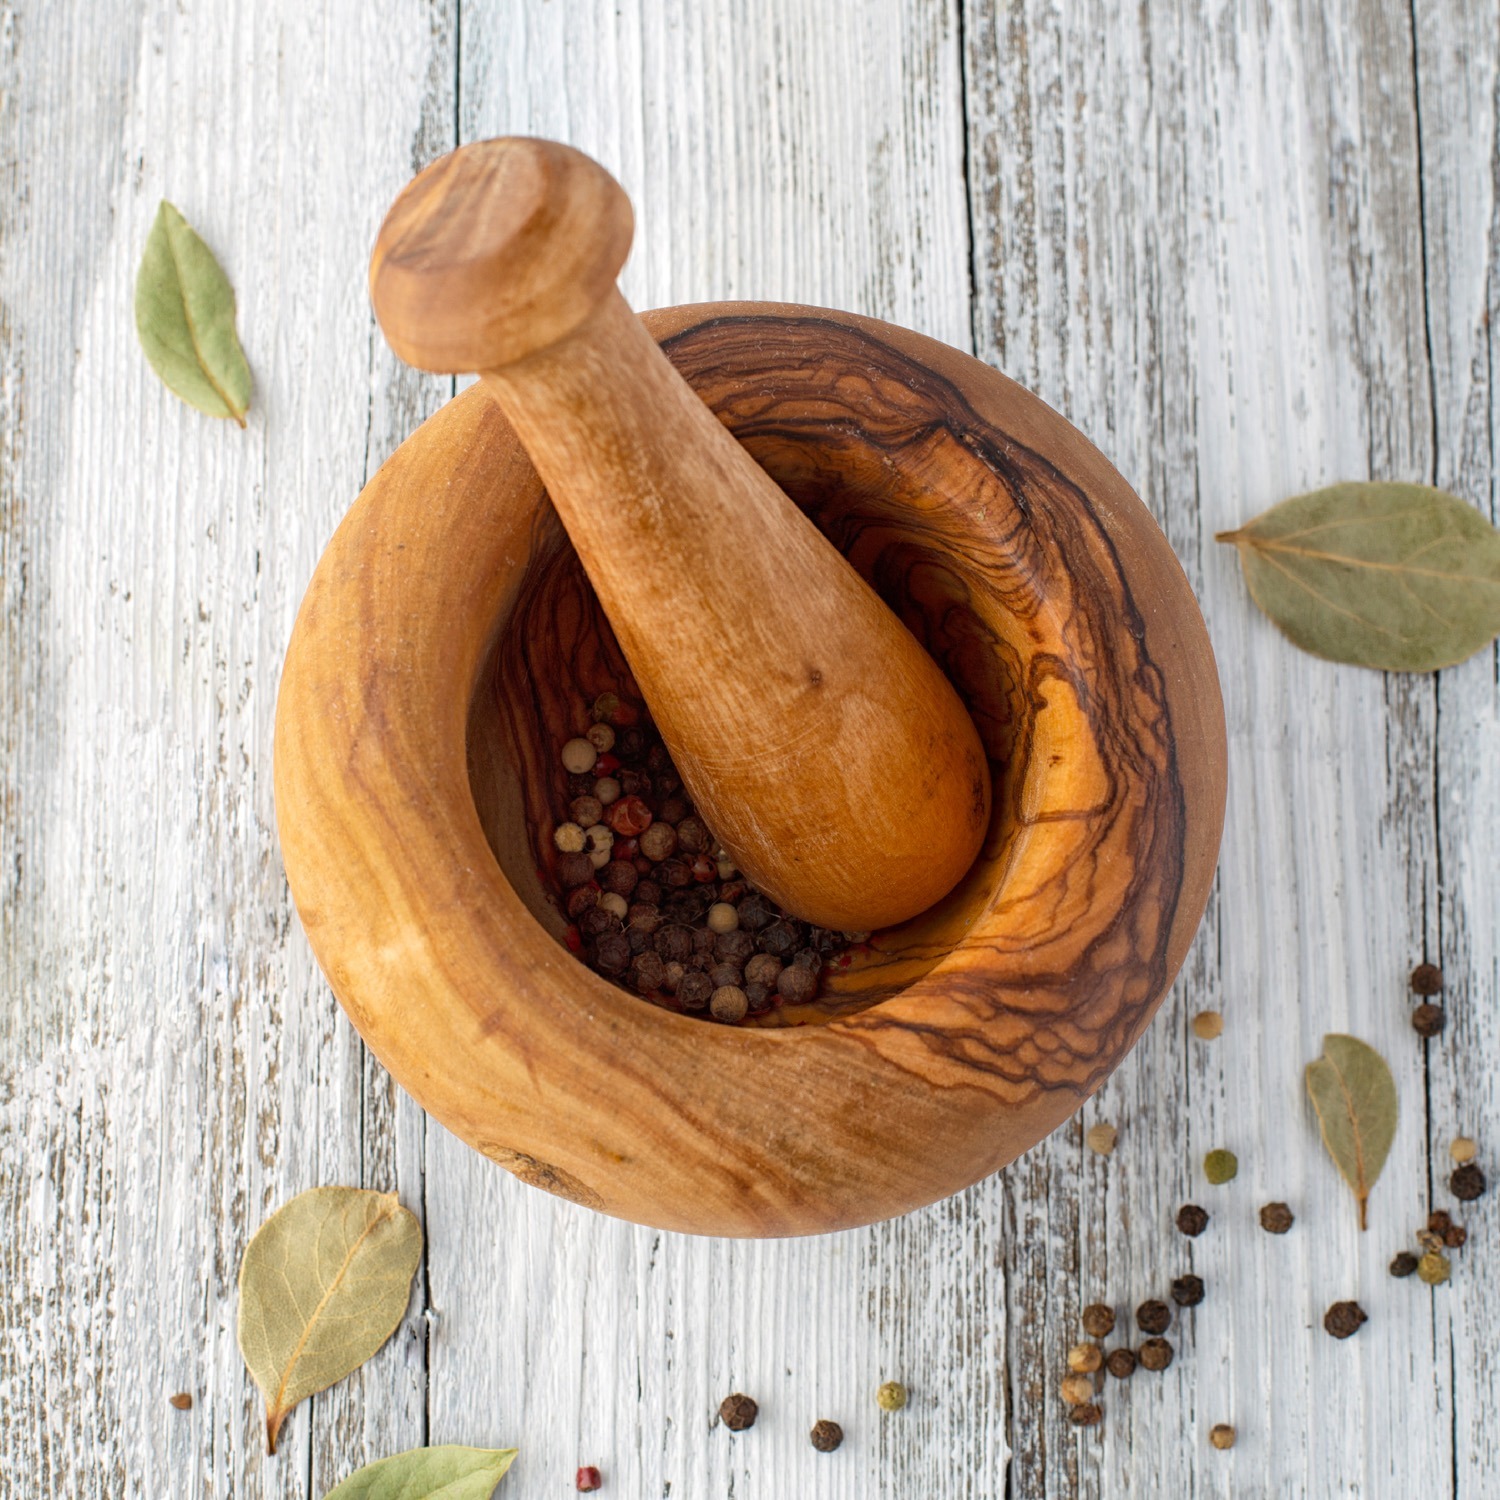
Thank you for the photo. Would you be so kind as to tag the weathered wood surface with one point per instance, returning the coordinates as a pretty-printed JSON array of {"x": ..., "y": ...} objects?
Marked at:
[{"x": 1248, "y": 249}]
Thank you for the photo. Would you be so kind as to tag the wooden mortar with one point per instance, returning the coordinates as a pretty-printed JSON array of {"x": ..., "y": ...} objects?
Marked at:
[{"x": 449, "y": 643}]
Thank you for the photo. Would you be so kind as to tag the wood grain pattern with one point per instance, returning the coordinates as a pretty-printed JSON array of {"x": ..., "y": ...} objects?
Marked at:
[
  {"x": 979, "y": 512},
  {"x": 1206, "y": 235}
]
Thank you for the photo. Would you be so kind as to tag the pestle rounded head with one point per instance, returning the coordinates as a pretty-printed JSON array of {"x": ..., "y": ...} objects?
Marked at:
[{"x": 496, "y": 251}]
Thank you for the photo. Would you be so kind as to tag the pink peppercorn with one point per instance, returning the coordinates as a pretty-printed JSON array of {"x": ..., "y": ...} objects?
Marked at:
[
  {"x": 629, "y": 816},
  {"x": 606, "y": 765},
  {"x": 588, "y": 1479}
]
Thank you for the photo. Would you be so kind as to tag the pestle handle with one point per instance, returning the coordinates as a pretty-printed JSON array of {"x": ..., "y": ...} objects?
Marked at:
[{"x": 820, "y": 741}]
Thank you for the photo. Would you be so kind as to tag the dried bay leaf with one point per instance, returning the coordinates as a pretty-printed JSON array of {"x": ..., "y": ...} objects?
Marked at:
[
  {"x": 184, "y": 315},
  {"x": 443, "y": 1473},
  {"x": 1398, "y": 577},
  {"x": 324, "y": 1283},
  {"x": 1355, "y": 1097}
]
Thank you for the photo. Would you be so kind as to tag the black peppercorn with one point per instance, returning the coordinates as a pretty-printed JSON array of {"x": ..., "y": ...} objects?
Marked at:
[
  {"x": 809, "y": 958},
  {"x": 734, "y": 947},
  {"x": 1120, "y": 1363},
  {"x": 1404, "y": 1264},
  {"x": 694, "y": 990},
  {"x": 1344, "y": 1318},
  {"x": 1427, "y": 979},
  {"x": 595, "y": 922},
  {"x": 620, "y": 876},
  {"x": 757, "y": 996},
  {"x": 1154, "y": 1316},
  {"x": 826, "y": 1435},
  {"x": 1155, "y": 1354},
  {"x": 673, "y": 874},
  {"x": 1276, "y": 1218},
  {"x": 755, "y": 912},
  {"x": 779, "y": 939},
  {"x": 726, "y": 974},
  {"x": 1467, "y": 1182},
  {"x": 737, "y": 1412},
  {"x": 1098, "y": 1320},
  {"x": 1187, "y": 1291},
  {"x": 647, "y": 973},
  {"x": 612, "y": 952},
  {"x": 1192, "y": 1220},
  {"x": 1455, "y": 1237},
  {"x": 674, "y": 943},
  {"x": 1427, "y": 1019},
  {"x": 649, "y": 892},
  {"x": 1085, "y": 1415},
  {"x": 796, "y": 985},
  {"x": 574, "y": 869}
]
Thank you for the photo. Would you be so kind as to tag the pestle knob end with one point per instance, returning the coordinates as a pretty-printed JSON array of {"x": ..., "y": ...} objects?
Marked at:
[{"x": 495, "y": 252}]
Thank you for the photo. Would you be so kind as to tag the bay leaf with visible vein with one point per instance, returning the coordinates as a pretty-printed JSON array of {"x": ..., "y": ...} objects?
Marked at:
[
  {"x": 324, "y": 1283},
  {"x": 1355, "y": 1096},
  {"x": 1399, "y": 577},
  {"x": 448, "y": 1472},
  {"x": 184, "y": 315}
]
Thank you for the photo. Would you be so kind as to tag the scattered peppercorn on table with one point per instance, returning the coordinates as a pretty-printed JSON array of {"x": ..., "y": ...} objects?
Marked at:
[{"x": 1247, "y": 253}]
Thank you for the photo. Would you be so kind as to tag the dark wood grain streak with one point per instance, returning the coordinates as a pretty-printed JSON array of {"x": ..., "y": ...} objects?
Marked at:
[{"x": 1023, "y": 563}]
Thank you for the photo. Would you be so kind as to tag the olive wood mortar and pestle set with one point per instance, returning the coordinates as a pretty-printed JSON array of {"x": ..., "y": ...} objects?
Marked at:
[{"x": 922, "y": 659}]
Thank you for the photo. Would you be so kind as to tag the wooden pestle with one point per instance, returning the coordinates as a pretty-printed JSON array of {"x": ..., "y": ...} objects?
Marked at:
[{"x": 821, "y": 743}]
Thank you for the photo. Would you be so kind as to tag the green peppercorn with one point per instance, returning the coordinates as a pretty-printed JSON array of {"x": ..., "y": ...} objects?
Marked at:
[
  {"x": 1220, "y": 1166},
  {"x": 1433, "y": 1268},
  {"x": 891, "y": 1396}
]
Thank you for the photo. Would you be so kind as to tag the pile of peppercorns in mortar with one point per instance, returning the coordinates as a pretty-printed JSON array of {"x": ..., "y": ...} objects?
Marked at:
[{"x": 654, "y": 903}]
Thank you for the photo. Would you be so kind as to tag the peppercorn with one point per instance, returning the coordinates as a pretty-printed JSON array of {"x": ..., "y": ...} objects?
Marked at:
[
  {"x": 595, "y": 921},
  {"x": 604, "y": 706},
  {"x": 574, "y": 869},
  {"x": 673, "y": 874},
  {"x": 726, "y": 976},
  {"x": 891, "y": 1396},
  {"x": 1276, "y": 1218},
  {"x": 1087, "y": 1415},
  {"x": 643, "y": 917},
  {"x": 582, "y": 898},
  {"x": 1455, "y": 1237},
  {"x": 1098, "y": 1320},
  {"x": 567, "y": 838},
  {"x": 692, "y": 835},
  {"x": 729, "y": 1004},
  {"x": 614, "y": 903},
  {"x": 599, "y": 842},
  {"x": 1433, "y": 1268},
  {"x": 1187, "y": 1291},
  {"x": 1207, "y": 1025},
  {"x": 182, "y": 1401},
  {"x": 1427, "y": 1019},
  {"x": 659, "y": 841},
  {"x": 779, "y": 939},
  {"x": 586, "y": 811},
  {"x": 1220, "y": 1166},
  {"x": 631, "y": 744},
  {"x": 1222, "y": 1435},
  {"x": 722, "y": 917},
  {"x": 738, "y": 1412},
  {"x": 757, "y": 996},
  {"x": 629, "y": 815},
  {"x": 1403, "y": 1264},
  {"x": 1463, "y": 1149},
  {"x": 634, "y": 783},
  {"x": 796, "y": 985},
  {"x": 1120, "y": 1363},
  {"x": 1156, "y": 1317},
  {"x": 762, "y": 968},
  {"x": 1192, "y": 1220},
  {"x": 606, "y": 791},
  {"x": 1084, "y": 1359},
  {"x": 578, "y": 757},
  {"x": 1076, "y": 1389},
  {"x": 647, "y": 973},
  {"x": 1344, "y": 1319},
  {"x": 1101, "y": 1139},
  {"x": 1155, "y": 1354},
  {"x": 755, "y": 912},
  {"x": 601, "y": 737},
  {"x": 1428, "y": 1240},
  {"x": 612, "y": 952},
  {"x": 694, "y": 990},
  {"x": 674, "y": 973},
  {"x": 808, "y": 958},
  {"x": 703, "y": 869},
  {"x": 826, "y": 1435},
  {"x": 1427, "y": 979},
  {"x": 587, "y": 1479},
  {"x": 1467, "y": 1182}
]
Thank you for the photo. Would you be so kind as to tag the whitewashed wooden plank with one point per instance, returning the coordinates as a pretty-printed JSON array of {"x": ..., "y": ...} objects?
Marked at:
[
  {"x": 1194, "y": 234},
  {"x": 1458, "y": 96},
  {"x": 173, "y": 1065},
  {"x": 773, "y": 151}
]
